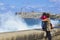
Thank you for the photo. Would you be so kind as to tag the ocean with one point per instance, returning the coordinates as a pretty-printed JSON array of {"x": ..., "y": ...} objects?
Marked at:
[{"x": 10, "y": 22}]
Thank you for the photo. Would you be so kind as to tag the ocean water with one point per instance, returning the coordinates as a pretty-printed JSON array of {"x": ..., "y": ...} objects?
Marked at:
[{"x": 11, "y": 22}]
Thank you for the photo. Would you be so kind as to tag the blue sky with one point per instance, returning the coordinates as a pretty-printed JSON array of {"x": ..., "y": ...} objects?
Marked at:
[{"x": 29, "y": 5}]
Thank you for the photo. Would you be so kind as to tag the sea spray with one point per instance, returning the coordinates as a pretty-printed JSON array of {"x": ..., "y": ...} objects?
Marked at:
[{"x": 11, "y": 22}]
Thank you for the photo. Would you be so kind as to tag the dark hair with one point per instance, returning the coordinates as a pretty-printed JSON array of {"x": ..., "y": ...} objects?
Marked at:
[
  {"x": 44, "y": 13},
  {"x": 48, "y": 15}
]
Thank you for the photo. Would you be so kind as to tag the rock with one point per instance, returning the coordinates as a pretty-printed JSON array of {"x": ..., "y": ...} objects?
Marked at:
[{"x": 29, "y": 35}]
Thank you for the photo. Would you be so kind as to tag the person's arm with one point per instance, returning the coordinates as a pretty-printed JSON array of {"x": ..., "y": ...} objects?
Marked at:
[
  {"x": 51, "y": 25},
  {"x": 45, "y": 19}
]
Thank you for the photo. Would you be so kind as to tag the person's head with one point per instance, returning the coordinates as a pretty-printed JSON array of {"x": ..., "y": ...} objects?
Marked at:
[
  {"x": 48, "y": 15},
  {"x": 44, "y": 13},
  {"x": 44, "y": 16}
]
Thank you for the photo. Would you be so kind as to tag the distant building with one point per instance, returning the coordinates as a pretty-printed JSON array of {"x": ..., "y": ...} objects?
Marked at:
[{"x": 36, "y": 15}]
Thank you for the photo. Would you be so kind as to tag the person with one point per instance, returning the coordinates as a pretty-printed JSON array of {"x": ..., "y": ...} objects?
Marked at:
[
  {"x": 43, "y": 17},
  {"x": 46, "y": 25},
  {"x": 49, "y": 27}
]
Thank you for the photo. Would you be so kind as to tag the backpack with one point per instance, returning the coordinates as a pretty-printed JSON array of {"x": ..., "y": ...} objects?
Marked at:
[{"x": 44, "y": 25}]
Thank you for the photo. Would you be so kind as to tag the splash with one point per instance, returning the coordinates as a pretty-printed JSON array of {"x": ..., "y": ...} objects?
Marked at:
[
  {"x": 10, "y": 22},
  {"x": 54, "y": 22}
]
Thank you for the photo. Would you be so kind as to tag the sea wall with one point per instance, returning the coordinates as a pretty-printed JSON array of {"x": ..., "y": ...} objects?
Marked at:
[{"x": 29, "y": 35}]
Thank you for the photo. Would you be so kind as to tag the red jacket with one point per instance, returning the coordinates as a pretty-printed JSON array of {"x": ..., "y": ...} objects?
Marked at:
[{"x": 43, "y": 17}]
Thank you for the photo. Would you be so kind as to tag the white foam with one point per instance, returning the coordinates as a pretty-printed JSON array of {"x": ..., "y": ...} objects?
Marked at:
[{"x": 10, "y": 22}]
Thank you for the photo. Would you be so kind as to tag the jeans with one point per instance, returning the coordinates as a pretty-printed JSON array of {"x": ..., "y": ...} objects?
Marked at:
[{"x": 48, "y": 35}]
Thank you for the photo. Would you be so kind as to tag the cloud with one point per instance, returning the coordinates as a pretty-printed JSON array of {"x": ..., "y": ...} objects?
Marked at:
[
  {"x": 54, "y": 0},
  {"x": 39, "y": 7},
  {"x": 1, "y": 4},
  {"x": 12, "y": 6},
  {"x": 2, "y": 8}
]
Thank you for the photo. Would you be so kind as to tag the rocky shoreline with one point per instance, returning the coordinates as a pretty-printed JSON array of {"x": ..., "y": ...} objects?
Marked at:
[{"x": 30, "y": 35}]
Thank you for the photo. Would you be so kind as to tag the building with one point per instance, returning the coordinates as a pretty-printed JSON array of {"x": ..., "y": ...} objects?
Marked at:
[{"x": 36, "y": 15}]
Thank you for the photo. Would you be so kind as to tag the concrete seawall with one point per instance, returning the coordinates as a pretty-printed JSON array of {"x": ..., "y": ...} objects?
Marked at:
[{"x": 29, "y": 35}]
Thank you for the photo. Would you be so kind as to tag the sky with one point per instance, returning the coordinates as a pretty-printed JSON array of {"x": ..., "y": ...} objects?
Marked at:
[
  {"x": 10, "y": 22},
  {"x": 52, "y": 6}
]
